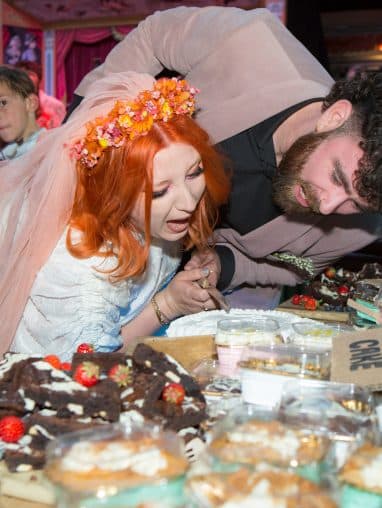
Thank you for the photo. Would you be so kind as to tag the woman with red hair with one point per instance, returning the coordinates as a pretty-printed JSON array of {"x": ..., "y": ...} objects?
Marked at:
[{"x": 94, "y": 220}]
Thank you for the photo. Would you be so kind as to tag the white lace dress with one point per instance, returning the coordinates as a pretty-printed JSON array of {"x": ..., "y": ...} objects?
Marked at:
[{"x": 71, "y": 302}]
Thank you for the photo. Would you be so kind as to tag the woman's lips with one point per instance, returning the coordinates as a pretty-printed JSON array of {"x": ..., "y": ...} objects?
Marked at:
[{"x": 178, "y": 226}]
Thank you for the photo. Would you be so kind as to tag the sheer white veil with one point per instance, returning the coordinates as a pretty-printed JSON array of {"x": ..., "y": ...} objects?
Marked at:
[{"x": 36, "y": 197}]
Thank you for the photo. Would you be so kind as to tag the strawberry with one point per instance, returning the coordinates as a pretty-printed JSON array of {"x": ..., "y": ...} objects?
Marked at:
[
  {"x": 87, "y": 374},
  {"x": 120, "y": 374},
  {"x": 330, "y": 272},
  {"x": 173, "y": 393},
  {"x": 11, "y": 429},
  {"x": 66, "y": 366},
  {"x": 311, "y": 304},
  {"x": 85, "y": 347},
  {"x": 343, "y": 290},
  {"x": 296, "y": 299},
  {"x": 53, "y": 360}
]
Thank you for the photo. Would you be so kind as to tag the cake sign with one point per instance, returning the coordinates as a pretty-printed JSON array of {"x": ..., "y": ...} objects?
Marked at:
[{"x": 357, "y": 358}]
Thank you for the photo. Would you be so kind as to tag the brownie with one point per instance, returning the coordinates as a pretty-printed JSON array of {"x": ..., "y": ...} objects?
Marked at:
[
  {"x": 105, "y": 361},
  {"x": 151, "y": 360},
  {"x": 24, "y": 459},
  {"x": 101, "y": 400}
]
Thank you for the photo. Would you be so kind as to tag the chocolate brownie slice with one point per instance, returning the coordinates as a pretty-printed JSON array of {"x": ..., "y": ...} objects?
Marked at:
[
  {"x": 147, "y": 358},
  {"x": 71, "y": 398},
  {"x": 105, "y": 361}
]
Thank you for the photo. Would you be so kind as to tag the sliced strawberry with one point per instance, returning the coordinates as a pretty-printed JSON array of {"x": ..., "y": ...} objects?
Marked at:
[
  {"x": 173, "y": 393},
  {"x": 11, "y": 429},
  {"x": 85, "y": 347},
  {"x": 87, "y": 374},
  {"x": 120, "y": 374},
  {"x": 53, "y": 360},
  {"x": 66, "y": 366}
]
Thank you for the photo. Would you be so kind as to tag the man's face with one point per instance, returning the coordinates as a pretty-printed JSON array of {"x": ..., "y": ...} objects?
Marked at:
[
  {"x": 178, "y": 185},
  {"x": 14, "y": 115},
  {"x": 325, "y": 181}
]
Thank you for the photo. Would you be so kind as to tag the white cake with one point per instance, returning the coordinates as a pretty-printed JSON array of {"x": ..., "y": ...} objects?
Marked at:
[{"x": 205, "y": 323}]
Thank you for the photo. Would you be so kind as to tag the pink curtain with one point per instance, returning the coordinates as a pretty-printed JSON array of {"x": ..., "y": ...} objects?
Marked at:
[{"x": 64, "y": 41}]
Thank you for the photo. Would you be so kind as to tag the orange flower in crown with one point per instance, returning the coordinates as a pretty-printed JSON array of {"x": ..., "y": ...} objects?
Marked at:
[{"x": 132, "y": 118}]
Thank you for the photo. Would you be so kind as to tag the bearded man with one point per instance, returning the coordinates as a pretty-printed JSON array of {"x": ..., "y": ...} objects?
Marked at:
[{"x": 305, "y": 153}]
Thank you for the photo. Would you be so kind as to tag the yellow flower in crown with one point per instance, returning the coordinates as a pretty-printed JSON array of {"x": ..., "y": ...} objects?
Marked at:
[{"x": 128, "y": 119}]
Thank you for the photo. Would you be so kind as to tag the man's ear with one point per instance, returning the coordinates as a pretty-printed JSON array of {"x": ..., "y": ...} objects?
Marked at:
[
  {"x": 335, "y": 116},
  {"x": 32, "y": 102}
]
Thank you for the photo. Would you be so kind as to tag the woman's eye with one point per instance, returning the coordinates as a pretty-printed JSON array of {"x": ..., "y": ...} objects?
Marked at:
[
  {"x": 198, "y": 171},
  {"x": 159, "y": 194},
  {"x": 3, "y": 102}
]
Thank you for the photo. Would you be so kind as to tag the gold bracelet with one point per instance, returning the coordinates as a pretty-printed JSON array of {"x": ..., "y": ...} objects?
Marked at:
[{"x": 162, "y": 318}]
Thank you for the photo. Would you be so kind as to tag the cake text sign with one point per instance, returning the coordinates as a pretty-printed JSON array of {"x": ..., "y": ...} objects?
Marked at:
[{"x": 357, "y": 358}]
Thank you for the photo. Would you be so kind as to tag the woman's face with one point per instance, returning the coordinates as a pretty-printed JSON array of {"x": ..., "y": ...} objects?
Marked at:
[{"x": 178, "y": 185}]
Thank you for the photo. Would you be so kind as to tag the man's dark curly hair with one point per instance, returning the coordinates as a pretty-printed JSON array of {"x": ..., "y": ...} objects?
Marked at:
[{"x": 365, "y": 94}]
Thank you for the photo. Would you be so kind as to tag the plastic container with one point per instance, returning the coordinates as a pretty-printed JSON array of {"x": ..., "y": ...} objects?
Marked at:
[
  {"x": 361, "y": 479},
  {"x": 234, "y": 335},
  {"x": 244, "y": 488},
  {"x": 318, "y": 335},
  {"x": 342, "y": 411},
  {"x": 267, "y": 368},
  {"x": 258, "y": 440},
  {"x": 117, "y": 466}
]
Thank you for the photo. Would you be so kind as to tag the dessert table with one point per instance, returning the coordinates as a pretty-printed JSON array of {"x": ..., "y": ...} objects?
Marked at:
[{"x": 12, "y": 502}]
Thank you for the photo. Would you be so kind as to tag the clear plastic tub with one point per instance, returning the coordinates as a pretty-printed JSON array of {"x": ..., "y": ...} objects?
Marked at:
[
  {"x": 268, "y": 368},
  {"x": 317, "y": 335},
  {"x": 361, "y": 478},
  {"x": 234, "y": 335},
  {"x": 117, "y": 466},
  {"x": 258, "y": 440},
  {"x": 342, "y": 411},
  {"x": 244, "y": 488}
]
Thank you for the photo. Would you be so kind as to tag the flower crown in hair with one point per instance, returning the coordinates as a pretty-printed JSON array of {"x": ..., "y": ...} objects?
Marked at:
[{"x": 132, "y": 118}]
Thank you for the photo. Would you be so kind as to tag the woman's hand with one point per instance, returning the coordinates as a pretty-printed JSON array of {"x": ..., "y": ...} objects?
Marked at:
[
  {"x": 206, "y": 259},
  {"x": 183, "y": 295}
]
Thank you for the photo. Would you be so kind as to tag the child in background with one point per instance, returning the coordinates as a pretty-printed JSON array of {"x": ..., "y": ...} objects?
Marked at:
[
  {"x": 19, "y": 130},
  {"x": 51, "y": 111}
]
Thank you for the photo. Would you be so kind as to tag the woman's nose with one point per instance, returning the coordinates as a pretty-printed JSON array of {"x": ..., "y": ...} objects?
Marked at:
[{"x": 186, "y": 200}]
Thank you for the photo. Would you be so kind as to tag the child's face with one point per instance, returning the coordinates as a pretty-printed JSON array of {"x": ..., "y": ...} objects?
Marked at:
[{"x": 14, "y": 115}]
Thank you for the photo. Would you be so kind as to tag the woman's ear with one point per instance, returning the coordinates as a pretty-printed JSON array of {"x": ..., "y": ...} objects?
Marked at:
[
  {"x": 335, "y": 116},
  {"x": 32, "y": 103}
]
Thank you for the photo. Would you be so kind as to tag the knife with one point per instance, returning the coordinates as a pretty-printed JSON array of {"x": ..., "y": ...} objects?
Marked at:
[{"x": 215, "y": 294}]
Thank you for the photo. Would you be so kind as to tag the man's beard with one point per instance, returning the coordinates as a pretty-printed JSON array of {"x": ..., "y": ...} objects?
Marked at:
[{"x": 288, "y": 176}]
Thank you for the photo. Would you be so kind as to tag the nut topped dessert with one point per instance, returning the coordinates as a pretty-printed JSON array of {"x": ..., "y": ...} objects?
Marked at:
[
  {"x": 362, "y": 478},
  {"x": 255, "y": 442},
  {"x": 125, "y": 462},
  {"x": 247, "y": 489}
]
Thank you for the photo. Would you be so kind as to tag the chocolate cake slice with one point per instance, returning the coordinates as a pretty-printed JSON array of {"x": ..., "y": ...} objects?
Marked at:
[
  {"x": 151, "y": 360},
  {"x": 71, "y": 398}
]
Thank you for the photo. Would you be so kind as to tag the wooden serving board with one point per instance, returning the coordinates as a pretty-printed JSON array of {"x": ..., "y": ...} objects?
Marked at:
[
  {"x": 24, "y": 490},
  {"x": 186, "y": 350},
  {"x": 321, "y": 315}
]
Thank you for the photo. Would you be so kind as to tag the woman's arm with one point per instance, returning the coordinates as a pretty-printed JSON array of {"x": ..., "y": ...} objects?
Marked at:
[{"x": 181, "y": 296}]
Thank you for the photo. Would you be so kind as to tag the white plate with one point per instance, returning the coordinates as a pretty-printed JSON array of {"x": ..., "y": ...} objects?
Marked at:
[{"x": 205, "y": 323}]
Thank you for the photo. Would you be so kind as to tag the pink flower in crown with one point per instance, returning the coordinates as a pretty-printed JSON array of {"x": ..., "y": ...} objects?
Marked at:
[{"x": 76, "y": 149}]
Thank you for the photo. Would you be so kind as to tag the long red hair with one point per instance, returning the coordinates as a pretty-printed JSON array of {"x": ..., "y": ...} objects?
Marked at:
[{"x": 105, "y": 196}]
